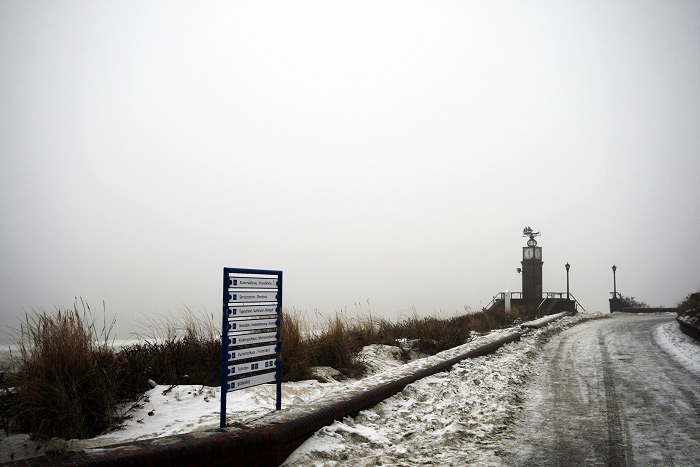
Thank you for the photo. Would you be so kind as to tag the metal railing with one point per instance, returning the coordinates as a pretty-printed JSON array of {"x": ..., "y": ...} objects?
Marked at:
[
  {"x": 563, "y": 296},
  {"x": 578, "y": 304},
  {"x": 502, "y": 296},
  {"x": 519, "y": 296}
]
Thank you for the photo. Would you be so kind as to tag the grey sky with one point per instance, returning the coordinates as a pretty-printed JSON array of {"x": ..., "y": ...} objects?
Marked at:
[{"x": 381, "y": 152}]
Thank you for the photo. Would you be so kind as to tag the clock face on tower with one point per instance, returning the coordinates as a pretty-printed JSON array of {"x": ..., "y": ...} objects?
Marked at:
[
  {"x": 538, "y": 253},
  {"x": 528, "y": 253}
]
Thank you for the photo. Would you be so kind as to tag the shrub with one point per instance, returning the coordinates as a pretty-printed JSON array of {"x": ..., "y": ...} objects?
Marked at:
[
  {"x": 7, "y": 402},
  {"x": 71, "y": 383},
  {"x": 296, "y": 362},
  {"x": 187, "y": 351},
  {"x": 631, "y": 302},
  {"x": 690, "y": 306},
  {"x": 67, "y": 382},
  {"x": 337, "y": 346},
  {"x": 523, "y": 313}
]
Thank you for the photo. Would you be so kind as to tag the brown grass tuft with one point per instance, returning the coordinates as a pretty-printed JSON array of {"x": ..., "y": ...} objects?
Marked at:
[
  {"x": 179, "y": 351},
  {"x": 295, "y": 362},
  {"x": 68, "y": 377}
]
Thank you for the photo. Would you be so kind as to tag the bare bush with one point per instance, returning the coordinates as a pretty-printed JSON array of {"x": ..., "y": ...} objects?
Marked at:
[{"x": 67, "y": 383}]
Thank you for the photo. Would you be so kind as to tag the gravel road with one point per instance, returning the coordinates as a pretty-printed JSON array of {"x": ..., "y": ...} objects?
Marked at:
[{"x": 608, "y": 395}]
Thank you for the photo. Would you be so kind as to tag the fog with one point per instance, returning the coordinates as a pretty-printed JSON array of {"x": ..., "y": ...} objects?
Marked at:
[{"x": 385, "y": 155}]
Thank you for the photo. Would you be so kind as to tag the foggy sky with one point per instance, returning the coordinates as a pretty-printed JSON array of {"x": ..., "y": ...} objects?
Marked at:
[{"x": 385, "y": 155}]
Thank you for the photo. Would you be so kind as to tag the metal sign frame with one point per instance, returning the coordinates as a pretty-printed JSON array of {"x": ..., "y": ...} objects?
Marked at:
[{"x": 251, "y": 341}]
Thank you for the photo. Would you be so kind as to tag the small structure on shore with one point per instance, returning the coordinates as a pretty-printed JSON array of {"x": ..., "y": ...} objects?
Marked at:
[{"x": 532, "y": 295}]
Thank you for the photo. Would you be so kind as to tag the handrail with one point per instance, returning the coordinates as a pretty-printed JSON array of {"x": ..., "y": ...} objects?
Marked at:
[
  {"x": 493, "y": 301},
  {"x": 555, "y": 294},
  {"x": 519, "y": 296},
  {"x": 577, "y": 302},
  {"x": 502, "y": 296},
  {"x": 562, "y": 294}
]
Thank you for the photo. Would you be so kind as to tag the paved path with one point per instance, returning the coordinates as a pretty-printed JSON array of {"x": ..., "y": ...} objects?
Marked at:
[{"x": 608, "y": 395}]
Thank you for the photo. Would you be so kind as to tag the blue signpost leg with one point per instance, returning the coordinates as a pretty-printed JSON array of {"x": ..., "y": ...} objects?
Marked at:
[
  {"x": 279, "y": 355},
  {"x": 279, "y": 388},
  {"x": 224, "y": 351}
]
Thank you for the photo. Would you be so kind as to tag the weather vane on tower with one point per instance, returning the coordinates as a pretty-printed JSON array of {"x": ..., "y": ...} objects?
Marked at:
[{"x": 528, "y": 232}]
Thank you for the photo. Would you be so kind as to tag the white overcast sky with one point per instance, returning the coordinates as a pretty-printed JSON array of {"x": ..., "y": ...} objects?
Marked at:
[{"x": 384, "y": 154}]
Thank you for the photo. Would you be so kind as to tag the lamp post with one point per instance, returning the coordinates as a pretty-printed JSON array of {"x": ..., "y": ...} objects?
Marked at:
[
  {"x": 614, "y": 268},
  {"x": 567, "y": 266}
]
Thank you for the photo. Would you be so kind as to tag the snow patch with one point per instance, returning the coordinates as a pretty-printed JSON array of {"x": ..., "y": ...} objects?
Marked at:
[
  {"x": 378, "y": 358},
  {"x": 681, "y": 347}
]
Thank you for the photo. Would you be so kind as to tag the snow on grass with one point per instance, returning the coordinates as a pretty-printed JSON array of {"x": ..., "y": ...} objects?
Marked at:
[
  {"x": 681, "y": 347},
  {"x": 181, "y": 409},
  {"x": 444, "y": 419},
  {"x": 378, "y": 358}
]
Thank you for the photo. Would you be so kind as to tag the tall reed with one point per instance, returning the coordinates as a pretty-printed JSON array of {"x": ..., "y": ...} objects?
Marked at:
[
  {"x": 67, "y": 383},
  {"x": 296, "y": 361},
  {"x": 181, "y": 350}
]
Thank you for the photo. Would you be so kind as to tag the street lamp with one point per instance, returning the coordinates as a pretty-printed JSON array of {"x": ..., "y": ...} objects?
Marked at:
[
  {"x": 614, "y": 268},
  {"x": 567, "y": 266}
]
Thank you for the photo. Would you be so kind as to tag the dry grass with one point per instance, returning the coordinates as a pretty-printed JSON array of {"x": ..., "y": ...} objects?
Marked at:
[
  {"x": 340, "y": 338},
  {"x": 184, "y": 350},
  {"x": 67, "y": 383},
  {"x": 296, "y": 364},
  {"x": 337, "y": 346},
  {"x": 72, "y": 383},
  {"x": 690, "y": 306}
]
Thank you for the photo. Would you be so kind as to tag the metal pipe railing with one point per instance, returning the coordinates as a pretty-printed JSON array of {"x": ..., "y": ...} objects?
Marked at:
[{"x": 548, "y": 295}]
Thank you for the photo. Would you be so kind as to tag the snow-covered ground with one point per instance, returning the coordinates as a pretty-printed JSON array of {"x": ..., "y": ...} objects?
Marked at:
[
  {"x": 681, "y": 347},
  {"x": 445, "y": 418}
]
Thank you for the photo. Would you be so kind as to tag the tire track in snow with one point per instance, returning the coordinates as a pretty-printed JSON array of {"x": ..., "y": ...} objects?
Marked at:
[
  {"x": 617, "y": 455},
  {"x": 608, "y": 397}
]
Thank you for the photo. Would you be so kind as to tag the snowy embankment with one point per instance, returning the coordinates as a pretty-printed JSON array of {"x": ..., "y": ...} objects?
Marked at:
[
  {"x": 457, "y": 417},
  {"x": 681, "y": 347},
  {"x": 446, "y": 418}
]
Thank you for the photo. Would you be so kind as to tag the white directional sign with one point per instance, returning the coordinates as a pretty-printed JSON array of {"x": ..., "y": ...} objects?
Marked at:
[
  {"x": 251, "y": 381},
  {"x": 240, "y": 282},
  {"x": 254, "y": 310},
  {"x": 252, "y": 324},
  {"x": 243, "y": 368},
  {"x": 252, "y": 352},
  {"x": 251, "y": 348},
  {"x": 254, "y": 338},
  {"x": 248, "y": 297}
]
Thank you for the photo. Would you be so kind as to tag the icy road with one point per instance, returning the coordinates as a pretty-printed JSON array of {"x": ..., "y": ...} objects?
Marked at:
[
  {"x": 617, "y": 390},
  {"x": 610, "y": 395}
]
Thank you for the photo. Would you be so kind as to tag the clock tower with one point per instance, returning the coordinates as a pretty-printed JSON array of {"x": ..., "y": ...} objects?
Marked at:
[{"x": 532, "y": 268}]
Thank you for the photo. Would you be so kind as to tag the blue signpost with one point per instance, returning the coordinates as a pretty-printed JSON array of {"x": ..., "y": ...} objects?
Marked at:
[{"x": 251, "y": 345}]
